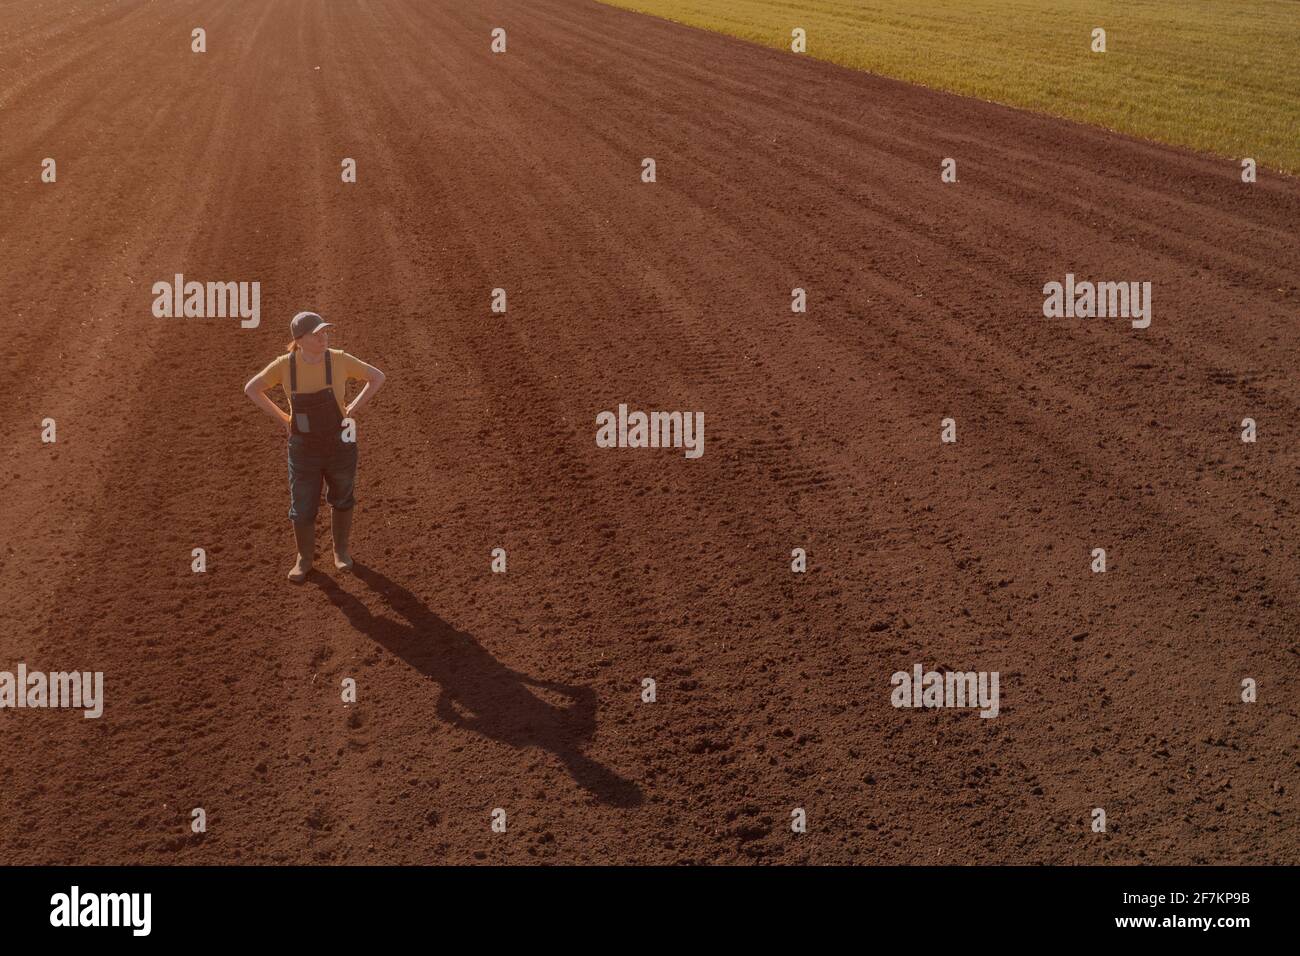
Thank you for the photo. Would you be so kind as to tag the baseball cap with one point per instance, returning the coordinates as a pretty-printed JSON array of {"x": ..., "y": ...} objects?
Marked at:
[{"x": 305, "y": 323}]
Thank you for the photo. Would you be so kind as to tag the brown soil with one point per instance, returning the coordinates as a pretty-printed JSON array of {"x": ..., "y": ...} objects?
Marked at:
[{"x": 523, "y": 691}]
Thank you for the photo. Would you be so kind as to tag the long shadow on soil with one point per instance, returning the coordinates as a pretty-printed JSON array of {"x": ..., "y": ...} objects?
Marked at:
[{"x": 479, "y": 693}]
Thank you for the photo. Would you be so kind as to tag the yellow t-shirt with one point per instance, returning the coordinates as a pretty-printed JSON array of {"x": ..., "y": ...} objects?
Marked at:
[{"x": 311, "y": 378}]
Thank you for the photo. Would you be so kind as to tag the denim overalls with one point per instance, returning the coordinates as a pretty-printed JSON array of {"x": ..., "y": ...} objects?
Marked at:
[{"x": 317, "y": 450}]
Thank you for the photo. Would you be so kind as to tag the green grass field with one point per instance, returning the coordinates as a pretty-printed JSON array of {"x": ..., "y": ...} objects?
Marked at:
[{"x": 1221, "y": 76}]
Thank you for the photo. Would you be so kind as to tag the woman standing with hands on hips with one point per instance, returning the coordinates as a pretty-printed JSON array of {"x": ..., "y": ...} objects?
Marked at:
[{"x": 315, "y": 377}]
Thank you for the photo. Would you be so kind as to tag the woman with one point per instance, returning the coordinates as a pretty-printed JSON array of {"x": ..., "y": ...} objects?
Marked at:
[{"x": 315, "y": 377}]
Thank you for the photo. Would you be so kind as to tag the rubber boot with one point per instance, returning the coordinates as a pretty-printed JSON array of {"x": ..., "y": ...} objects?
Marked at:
[
  {"x": 304, "y": 533},
  {"x": 341, "y": 522}
]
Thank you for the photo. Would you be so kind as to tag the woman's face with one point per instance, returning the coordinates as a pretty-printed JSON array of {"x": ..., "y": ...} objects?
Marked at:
[{"x": 316, "y": 342}]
